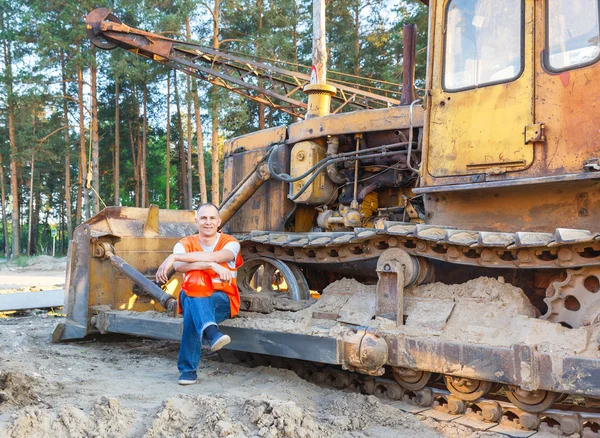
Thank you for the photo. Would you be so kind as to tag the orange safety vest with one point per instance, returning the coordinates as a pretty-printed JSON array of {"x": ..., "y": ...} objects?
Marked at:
[{"x": 202, "y": 283}]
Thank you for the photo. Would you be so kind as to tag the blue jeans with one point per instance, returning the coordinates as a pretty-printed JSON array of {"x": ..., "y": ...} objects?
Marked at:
[{"x": 199, "y": 313}]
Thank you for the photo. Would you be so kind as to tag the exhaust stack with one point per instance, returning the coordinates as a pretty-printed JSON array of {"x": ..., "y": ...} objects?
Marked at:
[{"x": 319, "y": 93}]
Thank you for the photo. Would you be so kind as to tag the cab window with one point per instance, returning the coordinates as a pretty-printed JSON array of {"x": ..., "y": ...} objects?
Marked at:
[
  {"x": 573, "y": 33},
  {"x": 484, "y": 43}
]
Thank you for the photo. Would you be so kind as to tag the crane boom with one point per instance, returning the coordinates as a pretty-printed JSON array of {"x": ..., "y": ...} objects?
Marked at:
[{"x": 263, "y": 83}]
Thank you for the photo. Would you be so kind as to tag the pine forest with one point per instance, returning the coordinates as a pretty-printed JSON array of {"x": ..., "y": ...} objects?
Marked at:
[{"x": 83, "y": 128}]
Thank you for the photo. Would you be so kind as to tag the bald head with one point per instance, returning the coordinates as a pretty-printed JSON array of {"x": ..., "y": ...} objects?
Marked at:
[
  {"x": 208, "y": 220},
  {"x": 207, "y": 205}
]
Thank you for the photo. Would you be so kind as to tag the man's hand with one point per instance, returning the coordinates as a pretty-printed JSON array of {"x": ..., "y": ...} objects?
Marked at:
[
  {"x": 224, "y": 274},
  {"x": 163, "y": 269}
]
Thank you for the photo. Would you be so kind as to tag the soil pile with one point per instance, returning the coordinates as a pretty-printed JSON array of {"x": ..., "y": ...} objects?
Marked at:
[
  {"x": 107, "y": 420},
  {"x": 16, "y": 389}
]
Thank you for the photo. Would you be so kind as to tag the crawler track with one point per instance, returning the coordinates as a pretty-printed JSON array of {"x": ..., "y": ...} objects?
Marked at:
[
  {"x": 493, "y": 413},
  {"x": 566, "y": 248}
]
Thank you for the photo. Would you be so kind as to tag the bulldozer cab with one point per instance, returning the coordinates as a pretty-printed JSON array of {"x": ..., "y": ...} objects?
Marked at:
[{"x": 508, "y": 86}]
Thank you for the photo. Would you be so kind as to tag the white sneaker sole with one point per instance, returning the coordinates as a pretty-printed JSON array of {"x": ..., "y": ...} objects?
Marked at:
[
  {"x": 223, "y": 340},
  {"x": 187, "y": 382}
]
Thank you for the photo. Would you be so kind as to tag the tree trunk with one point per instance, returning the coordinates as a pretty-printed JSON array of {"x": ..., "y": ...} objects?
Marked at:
[
  {"x": 261, "y": 106},
  {"x": 189, "y": 143},
  {"x": 200, "y": 142},
  {"x": 116, "y": 172},
  {"x": 215, "y": 191},
  {"x": 67, "y": 148},
  {"x": 168, "y": 151},
  {"x": 143, "y": 173},
  {"x": 82, "y": 193},
  {"x": 4, "y": 218},
  {"x": 14, "y": 187},
  {"x": 36, "y": 216},
  {"x": 95, "y": 139},
  {"x": 136, "y": 177},
  {"x": 182, "y": 161},
  {"x": 30, "y": 224},
  {"x": 357, "y": 38},
  {"x": 189, "y": 126},
  {"x": 137, "y": 151}
]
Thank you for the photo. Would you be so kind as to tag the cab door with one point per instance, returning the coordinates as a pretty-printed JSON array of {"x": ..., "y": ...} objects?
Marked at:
[{"x": 482, "y": 91}]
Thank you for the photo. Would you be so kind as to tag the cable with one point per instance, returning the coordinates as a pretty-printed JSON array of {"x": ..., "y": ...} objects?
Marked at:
[
  {"x": 329, "y": 160},
  {"x": 324, "y": 166}
]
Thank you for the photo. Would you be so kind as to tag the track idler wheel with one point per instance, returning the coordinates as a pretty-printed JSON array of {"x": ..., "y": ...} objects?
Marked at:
[
  {"x": 413, "y": 380},
  {"x": 467, "y": 389},
  {"x": 531, "y": 401},
  {"x": 269, "y": 275}
]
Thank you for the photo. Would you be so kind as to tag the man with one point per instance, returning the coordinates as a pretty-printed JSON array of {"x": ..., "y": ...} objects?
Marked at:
[{"x": 209, "y": 294}]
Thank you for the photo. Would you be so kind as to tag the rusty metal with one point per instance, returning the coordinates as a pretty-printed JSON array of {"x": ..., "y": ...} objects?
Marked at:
[
  {"x": 467, "y": 389},
  {"x": 535, "y": 133},
  {"x": 575, "y": 301},
  {"x": 531, "y": 401},
  {"x": 409, "y": 58},
  {"x": 568, "y": 418},
  {"x": 268, "y": 275},
  {"x": 396, "y": 269},
  {"x": 364, "y": 352},
  {"x": 413, "y": 380},
  {"x": 236, "y": 74},
  {"x": 240, "y": 196},
  {"x": 105, "y": 251}
]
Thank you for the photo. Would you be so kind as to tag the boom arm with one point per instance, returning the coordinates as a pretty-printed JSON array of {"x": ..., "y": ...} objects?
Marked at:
[{"x": 276, "y": 87}]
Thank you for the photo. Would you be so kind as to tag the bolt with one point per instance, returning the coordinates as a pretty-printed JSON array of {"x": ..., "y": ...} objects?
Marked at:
[
  {"x": 565, "y": 254},
  {"x": 301, "y": 156},
  {"x": 387, "y": 267},
  {"x": 487, "y": 255},
  {"x": 421, "y": 246}
]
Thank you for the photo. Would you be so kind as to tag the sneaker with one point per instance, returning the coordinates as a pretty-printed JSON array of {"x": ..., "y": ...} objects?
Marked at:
[
  {"x": 220, "y": 341},
  {"x": 188, "y": 378}
]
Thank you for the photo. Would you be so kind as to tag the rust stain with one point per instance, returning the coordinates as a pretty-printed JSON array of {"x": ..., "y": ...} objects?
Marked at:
[{"x": 565, "y": 78}]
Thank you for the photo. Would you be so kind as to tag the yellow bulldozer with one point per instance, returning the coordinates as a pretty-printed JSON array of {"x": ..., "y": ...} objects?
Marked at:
[{"x": 489, "y": 185}]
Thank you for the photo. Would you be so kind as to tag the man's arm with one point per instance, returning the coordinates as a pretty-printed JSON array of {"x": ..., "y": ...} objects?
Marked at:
[
  {"x": 189, "y": 261},
  {"x": 221, "y": 256}
]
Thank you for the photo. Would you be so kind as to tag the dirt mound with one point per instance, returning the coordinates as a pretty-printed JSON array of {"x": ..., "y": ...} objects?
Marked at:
[
  {"x": 47, "y": 263},
  {"x": 482, "y": 289},
  {"x": 107, "y": 419},
  {"x": 16, "y": 389},
  {"x": 200, "y": 416}
]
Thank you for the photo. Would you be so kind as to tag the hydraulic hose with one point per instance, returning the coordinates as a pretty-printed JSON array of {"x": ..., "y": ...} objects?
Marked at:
[
  {"x": 337, "y": 160},
  {"x": 346, "y": 156}
]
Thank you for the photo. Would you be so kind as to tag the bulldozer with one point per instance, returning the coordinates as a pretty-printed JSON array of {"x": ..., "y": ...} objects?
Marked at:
[{"x": 491, "y": 177}]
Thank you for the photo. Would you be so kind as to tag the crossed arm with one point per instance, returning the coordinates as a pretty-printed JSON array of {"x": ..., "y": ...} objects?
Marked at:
[{"x": 191, "y": 261}]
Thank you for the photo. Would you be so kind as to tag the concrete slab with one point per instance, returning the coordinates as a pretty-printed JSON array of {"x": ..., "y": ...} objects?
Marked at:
[
  {"x": 406, "y": 407},
  {"x": 32, "y": 300},
  {"x": 439, "y": 415},
  {"x": 512, "y": 432},
  {"x": 474, "y": 423}
]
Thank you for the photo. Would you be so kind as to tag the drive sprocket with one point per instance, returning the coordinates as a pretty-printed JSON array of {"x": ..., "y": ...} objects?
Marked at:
[{"x": 574, "y": 302}]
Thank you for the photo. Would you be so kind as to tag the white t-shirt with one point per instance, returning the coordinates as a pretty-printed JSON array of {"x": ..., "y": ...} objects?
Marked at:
[{"x": 234, "y": 247}]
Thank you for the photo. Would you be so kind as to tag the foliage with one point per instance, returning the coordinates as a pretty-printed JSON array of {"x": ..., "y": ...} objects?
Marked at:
[{"x": 48, "y": 44}]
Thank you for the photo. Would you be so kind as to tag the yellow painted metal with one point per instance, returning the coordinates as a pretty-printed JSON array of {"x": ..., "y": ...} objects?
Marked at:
[
  {"x": 143, "y": 238},
  {"x": 256, "y": 140},
  {"x": 357, "y": 121},
  {"x": 304, "y": 156},
  {"x": 319, "y": 99},
  {"x": 479, "y": 130}
]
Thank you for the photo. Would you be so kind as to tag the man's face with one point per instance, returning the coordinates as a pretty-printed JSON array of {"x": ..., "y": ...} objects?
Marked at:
[{"x": 208, "y": 221}]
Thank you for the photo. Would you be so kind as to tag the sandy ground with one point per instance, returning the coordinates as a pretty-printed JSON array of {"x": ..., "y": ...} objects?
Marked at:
[
  {"x": 40, "y": 273},
  {"x": 127, "y": 387}
]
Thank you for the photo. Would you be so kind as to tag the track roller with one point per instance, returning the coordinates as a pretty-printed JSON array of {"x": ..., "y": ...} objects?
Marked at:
[
  {"x": 413, "y": 380},
  {"x": 531, "y": 401},
  {"x": 467, "y": 389}
]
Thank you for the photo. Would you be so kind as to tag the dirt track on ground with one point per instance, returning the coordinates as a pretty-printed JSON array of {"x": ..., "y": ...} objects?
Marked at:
[{"x": 127, "y": 387}]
